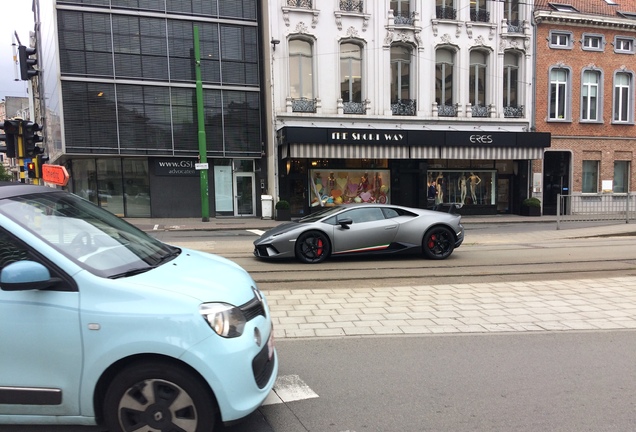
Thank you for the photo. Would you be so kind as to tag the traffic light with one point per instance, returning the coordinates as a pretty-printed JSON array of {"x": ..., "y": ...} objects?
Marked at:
[
  {"x": 31, "y": 170},
  {"x": 31, "y": 138},
  {"x": 11, "y": 130},
  {"x": 27, "y": 63},
  {"x": 39, "y": 161}
]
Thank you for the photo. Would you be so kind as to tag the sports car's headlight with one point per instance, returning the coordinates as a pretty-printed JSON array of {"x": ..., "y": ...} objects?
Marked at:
[{"x": 226, "y": 320}]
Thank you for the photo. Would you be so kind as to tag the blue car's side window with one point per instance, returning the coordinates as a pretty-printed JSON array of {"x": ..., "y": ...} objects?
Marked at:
[{"x": 10, "y": 250}]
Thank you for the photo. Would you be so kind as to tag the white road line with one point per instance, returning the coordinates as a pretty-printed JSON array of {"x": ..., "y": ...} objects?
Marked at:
[
  {"x": 289, "y": 388},
  {"x": 256, "y": 231},
  {"x": 156, "y": 227}
]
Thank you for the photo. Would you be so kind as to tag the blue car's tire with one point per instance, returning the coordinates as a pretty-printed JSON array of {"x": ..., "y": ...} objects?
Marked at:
[
  {"x": 312, "y": 247},
  {"x": 438, "y": 243},
  {"x": 158, "y": 396}
]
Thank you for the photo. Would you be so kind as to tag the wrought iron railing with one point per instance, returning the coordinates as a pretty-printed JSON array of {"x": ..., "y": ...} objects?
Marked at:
[
  {"x": 447, "y": 110},
  {"x": 515, "y": 27},
  {"x": 353, "y": 108},
  {"x": 403, "y": 18},
  {"x": 305, "y": 4},
  {"x": 480, "y": 110},
  {"x": 513, "y": 111},
  {"x": 446, "y": 12},
  {"x": 403, "y": 107},
  {"x": 479, "y": 16},
  {"x": 304, "y": 105},
  {"x": 352, "y": 5}
]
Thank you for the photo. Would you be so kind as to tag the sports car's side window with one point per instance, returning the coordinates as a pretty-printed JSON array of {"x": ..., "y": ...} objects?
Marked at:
[
  {"x": 361, "y": 215},
  {"x": 10, "y": 250},
  {"x": 390, "y": 213}
]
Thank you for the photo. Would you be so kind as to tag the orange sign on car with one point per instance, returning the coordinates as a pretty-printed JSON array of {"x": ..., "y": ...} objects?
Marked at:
[{"x": 55, "y": 174}]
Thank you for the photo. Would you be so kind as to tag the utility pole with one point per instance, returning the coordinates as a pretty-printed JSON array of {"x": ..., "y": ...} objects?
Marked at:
[{"x": 203, "y": 157}]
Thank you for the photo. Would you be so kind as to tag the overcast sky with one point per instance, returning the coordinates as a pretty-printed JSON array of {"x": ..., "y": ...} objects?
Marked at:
[{"x": 17, "y": 17}]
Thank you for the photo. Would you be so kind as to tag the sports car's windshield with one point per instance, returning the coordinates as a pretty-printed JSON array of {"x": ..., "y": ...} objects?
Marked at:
[
  {"x": 92, "y": 237},
  {"x": 327, "y": 211}
]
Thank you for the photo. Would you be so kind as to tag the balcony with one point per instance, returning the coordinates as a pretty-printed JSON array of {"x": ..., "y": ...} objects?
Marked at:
[
  {"x": 354, "y": 108},
  {"x": 513, "y": 111},
  {"x": 446, "y": 13},
  {"x": 303, "y": 105},
  {"x": 480, "y": 111},
  {"x": 480, "y": 16},
  {"x": 303, "y": 4},
  {"x": 447, "y": 110},
  {"x": 404, "y": 18},
  {"x": 403, "y": 107},
  {"x": 352, "y": 5},
  {"x": 515, "y": 26}
]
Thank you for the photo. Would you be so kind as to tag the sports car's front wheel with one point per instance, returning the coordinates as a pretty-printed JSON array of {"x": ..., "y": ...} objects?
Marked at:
[
  {"x": 312, "y": 247},
  {"x": 438, "y": 243}
]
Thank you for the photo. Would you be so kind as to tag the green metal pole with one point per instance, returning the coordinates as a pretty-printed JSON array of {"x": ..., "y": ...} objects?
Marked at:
[{"x": 203, "y": 157}]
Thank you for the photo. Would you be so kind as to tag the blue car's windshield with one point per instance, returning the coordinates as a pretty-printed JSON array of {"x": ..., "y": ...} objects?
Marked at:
[{"x": 94, "y": 238}]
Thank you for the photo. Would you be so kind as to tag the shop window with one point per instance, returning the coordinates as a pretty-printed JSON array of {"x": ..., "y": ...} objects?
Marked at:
[
  {"x": 621, "y": 177},
  {"x": 462, "y": 187},
  {"x": 590, "y": 177},
  {"x": 333, "y": 187}
]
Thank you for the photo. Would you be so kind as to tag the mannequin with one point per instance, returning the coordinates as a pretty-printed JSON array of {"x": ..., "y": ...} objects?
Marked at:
[
  {"x": 462, "y": 188},
  {"x": 474, "y": 181}
]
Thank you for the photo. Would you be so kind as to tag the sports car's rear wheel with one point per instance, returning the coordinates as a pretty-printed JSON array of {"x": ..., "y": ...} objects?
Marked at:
[
  {"x": 438, "y": 243},
  {"x": 312, "y": 247}
]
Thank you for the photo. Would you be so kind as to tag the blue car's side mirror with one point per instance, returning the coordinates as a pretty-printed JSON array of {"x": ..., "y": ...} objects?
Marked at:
[{"x": 25, "y": 275}]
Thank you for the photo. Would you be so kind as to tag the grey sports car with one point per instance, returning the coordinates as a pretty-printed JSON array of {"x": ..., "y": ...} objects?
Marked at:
[{"x": 363, "y": 229}]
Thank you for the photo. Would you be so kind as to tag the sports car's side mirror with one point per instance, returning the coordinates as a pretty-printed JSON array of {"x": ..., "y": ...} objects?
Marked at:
[{"x": 344, "y": 223}]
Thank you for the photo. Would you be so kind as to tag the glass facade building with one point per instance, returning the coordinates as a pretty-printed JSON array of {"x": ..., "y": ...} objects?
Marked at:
[{"x": 123, "y": 105}]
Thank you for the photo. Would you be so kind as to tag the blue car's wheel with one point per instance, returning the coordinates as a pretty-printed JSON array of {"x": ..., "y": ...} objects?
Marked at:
[
  {"x": 158, "y": 397},
  {"x": 438, "y": 243},
  {"x": 312, "y": 247}
]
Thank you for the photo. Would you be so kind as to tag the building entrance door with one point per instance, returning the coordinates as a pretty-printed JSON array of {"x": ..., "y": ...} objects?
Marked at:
[
  {"x": 556, "y": 179},
  {"x": 244, "y": 194}
]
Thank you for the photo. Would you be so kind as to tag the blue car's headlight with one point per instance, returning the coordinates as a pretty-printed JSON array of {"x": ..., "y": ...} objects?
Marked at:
[{"x": 226, "y": 320}]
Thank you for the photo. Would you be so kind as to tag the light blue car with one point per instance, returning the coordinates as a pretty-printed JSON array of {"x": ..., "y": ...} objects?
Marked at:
[{"x": 101, "y": 323}]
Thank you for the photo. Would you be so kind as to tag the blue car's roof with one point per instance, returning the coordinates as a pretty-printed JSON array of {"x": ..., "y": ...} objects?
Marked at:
[{"x": 12, "y": 189}]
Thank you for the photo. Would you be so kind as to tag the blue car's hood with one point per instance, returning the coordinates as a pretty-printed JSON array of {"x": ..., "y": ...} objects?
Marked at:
[{"x": 205, "y": 277}]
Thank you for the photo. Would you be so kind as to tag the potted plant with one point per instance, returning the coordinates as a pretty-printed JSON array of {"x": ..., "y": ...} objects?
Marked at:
[
  {"x": 283, "y": 212},
  {"x": 531, "y": 207}
]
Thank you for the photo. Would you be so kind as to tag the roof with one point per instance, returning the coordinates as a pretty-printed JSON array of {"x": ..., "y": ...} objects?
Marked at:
[{"x": 590, "y": 7}]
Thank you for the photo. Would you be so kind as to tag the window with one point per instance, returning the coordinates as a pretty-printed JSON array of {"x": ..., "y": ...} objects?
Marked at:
[
  {"x": 622, "y": 97},
  {"x": 590, "y": 95},
  {"x": 593, "y": 42},
  {"x": 351, "y": 78},
  {"x": 401, "y": 103},
  {"x": 624, "y": 45},
  {"x": 401, "y": 12},
  {"x": 478, "y": 11},
  {"x": 621, "y": 177},
  {"x": 559, "y": 83},
  {"x": 300, "y": 75},
  {"x": 511, "y": 85},
  {"x": 590, "y": 177},
  {"x": 444, "y": 97},
  {"x": 477, "y": 84},
  {"x": 511, "y": 14},
  {"x": 563, "y": 7},
  {"x": 561, "y": 40},
  {"x": 445, "y": 9}
]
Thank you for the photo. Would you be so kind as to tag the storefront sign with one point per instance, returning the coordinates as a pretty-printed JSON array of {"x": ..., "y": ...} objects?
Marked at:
[
  {"x": 358, "y": 137},
  {"x": 175, "y": 167}
]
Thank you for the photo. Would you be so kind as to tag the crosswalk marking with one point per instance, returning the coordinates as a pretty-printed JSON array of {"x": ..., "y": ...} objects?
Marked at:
[{"x": 289, "y": 388}]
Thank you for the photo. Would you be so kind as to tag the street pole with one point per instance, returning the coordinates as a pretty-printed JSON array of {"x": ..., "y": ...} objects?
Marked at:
[
  {"x": 203, "y": 158},
  {"x": 21, "y": 154}
]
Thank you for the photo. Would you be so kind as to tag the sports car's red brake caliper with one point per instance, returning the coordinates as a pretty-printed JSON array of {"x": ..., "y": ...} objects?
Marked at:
[
  {"x": 319, "y": 248},
  {"x": 431, "y": 241}
]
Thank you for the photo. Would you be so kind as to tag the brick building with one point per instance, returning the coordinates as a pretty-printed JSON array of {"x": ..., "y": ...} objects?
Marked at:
[{"x": 584, "y": 96}]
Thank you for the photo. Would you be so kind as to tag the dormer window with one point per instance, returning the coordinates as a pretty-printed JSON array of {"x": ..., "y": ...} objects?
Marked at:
[{"x": 563, "y": 7}]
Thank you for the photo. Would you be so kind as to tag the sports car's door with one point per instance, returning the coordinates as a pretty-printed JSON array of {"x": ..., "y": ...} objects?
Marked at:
[{"x": 370, "y": 231}]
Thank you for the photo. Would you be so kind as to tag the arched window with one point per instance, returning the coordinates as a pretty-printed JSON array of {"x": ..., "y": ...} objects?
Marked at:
[
  {"x": 301, "y": 86},
  {"x": 401, "y": 75},
  {"x": 477, "y": 84},
  {"x": 444, "y": 77},
  {"x": 559, "y": 85},
  {"x": 351, "y": 77}
]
